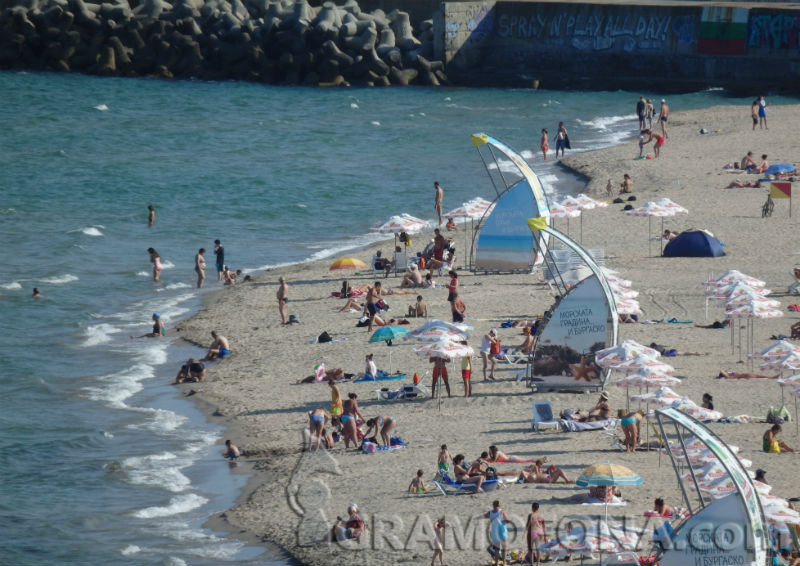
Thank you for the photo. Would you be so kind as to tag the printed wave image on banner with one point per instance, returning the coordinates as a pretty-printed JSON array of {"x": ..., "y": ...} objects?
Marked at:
[
  {"x": 577, "y": 326},
  {"x": 505, "y": 242}
]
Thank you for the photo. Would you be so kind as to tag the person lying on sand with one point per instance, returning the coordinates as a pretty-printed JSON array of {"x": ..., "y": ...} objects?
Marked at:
[
  {"x": 601, "y": 411},
  {"x": 336, "y": 374},
  {"x": 535, "y": 474},
  {"x": 496, "y": 456},
  {"x": 737, "y": 184},
  {"x": 716, "y": 324},
  {"x": 352, "y": 304},
  {"x": 669, "y": 352},
  {"x": 745, "y": 375}
]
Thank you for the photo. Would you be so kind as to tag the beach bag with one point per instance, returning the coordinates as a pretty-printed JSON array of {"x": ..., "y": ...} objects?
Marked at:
[
  {"x": 491, "y": 473},
  {"x": 324, "y": 337},
  {"x": 369, "y": 447},
  {"x": 416, "y": 378},
  {"x": 495, "y": 348}
]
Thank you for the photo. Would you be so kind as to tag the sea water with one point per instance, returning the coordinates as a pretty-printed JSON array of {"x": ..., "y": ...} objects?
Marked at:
[{"x": 103, "y": 461}]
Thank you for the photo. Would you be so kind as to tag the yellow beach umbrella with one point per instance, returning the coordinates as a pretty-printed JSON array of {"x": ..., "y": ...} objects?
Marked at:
[{"x": 348, "y": 263}]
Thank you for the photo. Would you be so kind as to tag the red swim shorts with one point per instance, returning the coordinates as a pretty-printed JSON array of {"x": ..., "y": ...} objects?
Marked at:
[
  {"x": 438, "y": 254},
  {"x": 465, "y": 374}
]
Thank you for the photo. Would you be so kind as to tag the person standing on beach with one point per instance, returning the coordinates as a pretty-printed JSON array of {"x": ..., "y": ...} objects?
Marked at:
[
  {"x": 561, "y": 139},
  {"x": 437, "y": 200},
  {"x": 438, "y": 246},
  {"x": 440, "y": 370},
  {"x": 373, "y": 296},
  {"x": 488, "y": 341},
  {"x": 663, "y": 115},
  {"x": 543, "y": 143},
  {"x": 762, "y": 113},
  {"x": 649, "y": 112},
  {"x": 219, "y": 252},
  {"x": 200, "y": 266},
  {"x": 658, "y": 142},
  {"x": 283, "y": 298},
  {"x": 151, "y": 215},
  {"x": 641, "y": 111},
  {"x": 754, "y": 113},
  {"x": 458, "y": 307},
  {"x": 155, "y": 259}
]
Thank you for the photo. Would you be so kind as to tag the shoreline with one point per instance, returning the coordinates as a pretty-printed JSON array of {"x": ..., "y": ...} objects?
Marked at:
[{"x": 234, "y": 391}]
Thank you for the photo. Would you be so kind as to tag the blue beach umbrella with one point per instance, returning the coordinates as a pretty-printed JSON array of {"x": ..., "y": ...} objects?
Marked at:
[
  {"x": 387, "y": 334},
  {"x": 608, "y": 474},
  {"x": 780, "y": 168}
]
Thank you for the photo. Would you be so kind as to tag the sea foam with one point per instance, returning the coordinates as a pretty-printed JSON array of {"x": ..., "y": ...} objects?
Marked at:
[{"x": 177, "y": 505}]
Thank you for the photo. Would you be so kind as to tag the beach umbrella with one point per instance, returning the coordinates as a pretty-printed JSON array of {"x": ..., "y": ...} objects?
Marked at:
[
  {"x": 401, "y": 223},
  {"x": 558, "y": 212},
  {"x": 780, "y": 168},
  {"x": 779, "y": 349},
  {"x": 750, "y": 310},
  {"x": 628, "y": 306},
  {"x": 647, "y": 379},
  {"x": 749, "y": 296},
  {"x": 387, "y": 334},
  {"x": 662, "y": 396},
  {"x": 694, "y": 410},
  {"x": 651, "y": 209},
  {"x": 623, "y": 352},
  {"x": 733, "y": 276},
  {"x": 580, "y": 203},
  {"x": 446, "y": 349},
  {"x": 790, "y": 361},
  {"x": 348, "y": 263},
  {"x": 623, "y": 293},
  {"x": 588, "y": 202},
  {"x": 608, "y": 474},
  {"x": 643, "y": 362},
  {"x": 671, "y": 205},
  {"x": 436, "y": 329}
]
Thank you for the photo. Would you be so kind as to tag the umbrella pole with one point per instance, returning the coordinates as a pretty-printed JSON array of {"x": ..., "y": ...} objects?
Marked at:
[
  {"x": 661, "y": 238},
  {"x": 796, "y": 422},
  {"x": 581, "y": 240},
  {"x": 740, "y": 342}
]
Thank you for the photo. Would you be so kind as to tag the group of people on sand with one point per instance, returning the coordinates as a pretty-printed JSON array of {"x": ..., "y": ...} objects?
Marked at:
[
  {"x": 625, "y": 187},
  {"x": 346, "y": 422}
]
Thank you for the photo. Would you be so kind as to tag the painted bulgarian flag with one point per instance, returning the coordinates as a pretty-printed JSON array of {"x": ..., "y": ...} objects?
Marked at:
[
  {"x": 780, "y": 190},
  {"x": 722, "y": 31}
]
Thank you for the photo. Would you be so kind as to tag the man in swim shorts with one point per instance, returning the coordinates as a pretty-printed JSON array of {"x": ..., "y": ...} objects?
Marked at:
[
  {"x": 231, "y": 450},
  {"x": 641, "y": 113},
  {"x": 219, "y": 347},
  {"x": 219, "y": 252},
  {"x": 283, "y": 298},
  {"x": 664, "y": 114},
  {"x": 373, "y": 296}
]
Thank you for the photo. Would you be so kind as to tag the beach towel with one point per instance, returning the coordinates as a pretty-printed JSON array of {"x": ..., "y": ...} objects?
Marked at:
[
  {"x": 676, "y": 321},
  {"x": 615, "y": 502},
  {"x": 382, "y": 376},
  {"x": 575, "y": 426}
]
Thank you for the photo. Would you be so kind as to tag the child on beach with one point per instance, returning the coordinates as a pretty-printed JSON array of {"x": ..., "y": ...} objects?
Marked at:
[
  {"x": 417, "y": 485},
  {"x": 444, "y": 459},
  {"x": 642, "y": 135},
  {"x": 438, "y": 540},
  {"x": 543, "y": 143}
]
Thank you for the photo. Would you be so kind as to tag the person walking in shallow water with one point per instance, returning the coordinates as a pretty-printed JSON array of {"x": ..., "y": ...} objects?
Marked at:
[
  {"x": 561, "y": 139},
  {"x": 155, "y": 259},
  {"x": 543, "y": 143},
  {"x": 200, "y": 266},
  {"x": 151, "y": 215}
]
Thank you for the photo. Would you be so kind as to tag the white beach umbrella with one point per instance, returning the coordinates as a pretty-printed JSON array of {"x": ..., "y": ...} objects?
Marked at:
[
  {"x": 694, "y": 410},
  {"x": 734, "y": 289},
  {"x": 651, "y": 209},
  {"x": 790, "y": 361},
  {"x": 779, "y": 349},
  {"x": 750, "y": 297},
  {"x": 590, "y": 202},
  {"x": 671, "y": 205},
  {"x": 444, "y": 329},
  {"x": 647, "y": 379},
  {"x": 628, "y": 306},
  {"x": 733, "y": 276},
  {"x": 644, "y": 363},
  {"x": 663, "y": 396},
  {"x": 446, "y": 349},
  {"x": 401, "y": 223},
  {"x": 623, "y": 352}
]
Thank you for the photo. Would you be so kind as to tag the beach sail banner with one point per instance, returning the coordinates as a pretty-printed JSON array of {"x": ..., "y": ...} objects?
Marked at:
[
  {"x": 714, "y": 534},
  {"x": 574, "y": 328},
  {"x": 505, "y": 242}
]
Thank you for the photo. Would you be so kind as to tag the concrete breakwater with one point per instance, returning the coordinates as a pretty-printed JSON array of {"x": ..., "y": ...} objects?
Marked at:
[{"x": 274, "y": 42}]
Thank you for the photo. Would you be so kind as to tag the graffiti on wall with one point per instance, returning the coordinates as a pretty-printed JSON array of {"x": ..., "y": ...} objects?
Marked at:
[
  {"x": 479, "y": 22},
  {"x": 773, "y": 31},
  {"x": 592, "y": 30}
]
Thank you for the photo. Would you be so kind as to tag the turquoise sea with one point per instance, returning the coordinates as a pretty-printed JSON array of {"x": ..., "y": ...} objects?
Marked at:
[{"x": 103, "y": 462}]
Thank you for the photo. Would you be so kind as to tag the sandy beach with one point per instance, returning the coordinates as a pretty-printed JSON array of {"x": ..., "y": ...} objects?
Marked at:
[{"x": 254, "y": 393}]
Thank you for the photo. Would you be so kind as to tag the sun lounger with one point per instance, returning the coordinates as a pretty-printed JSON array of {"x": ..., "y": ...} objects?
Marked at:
[
  {"x": 382, "y": 376},
  {"x": 543, "y": 416},
  {"x": 577, "y": 426},
  {"x": 447, "y": 484},
  {"x": 514, "y": 358},
  {"x": 406, "y": 392}
]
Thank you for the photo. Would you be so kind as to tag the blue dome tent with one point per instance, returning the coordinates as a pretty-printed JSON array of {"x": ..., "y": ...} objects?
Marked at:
[{"x": 696, "y": 243}]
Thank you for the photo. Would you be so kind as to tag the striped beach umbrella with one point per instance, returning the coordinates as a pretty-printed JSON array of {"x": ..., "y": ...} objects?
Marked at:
[
  {"x": 623, "y": 352},
  {"x": 348, "y": 263},
  {"x": 606, "y": 473}
]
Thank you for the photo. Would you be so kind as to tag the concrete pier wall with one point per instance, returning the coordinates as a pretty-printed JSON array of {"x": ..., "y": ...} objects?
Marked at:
[{"x": 669, "y": 47}]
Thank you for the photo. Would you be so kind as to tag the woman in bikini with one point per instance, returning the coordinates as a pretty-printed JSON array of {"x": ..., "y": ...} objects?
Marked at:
[
  {"x": 316, "y": 426},
  {"x": 155, "y": 259},
  {"x": 632, "y": 427},
  {"x": 200, "y": 266},
  {"x": 495, "y": 455},
  {"x": 543, "y": 143},
  {"x": 535, "y": 474},
  {"x": 349, "y": 426},
  {"x": 382, "y": 425},
  {"x": 536, "y": 535}
]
